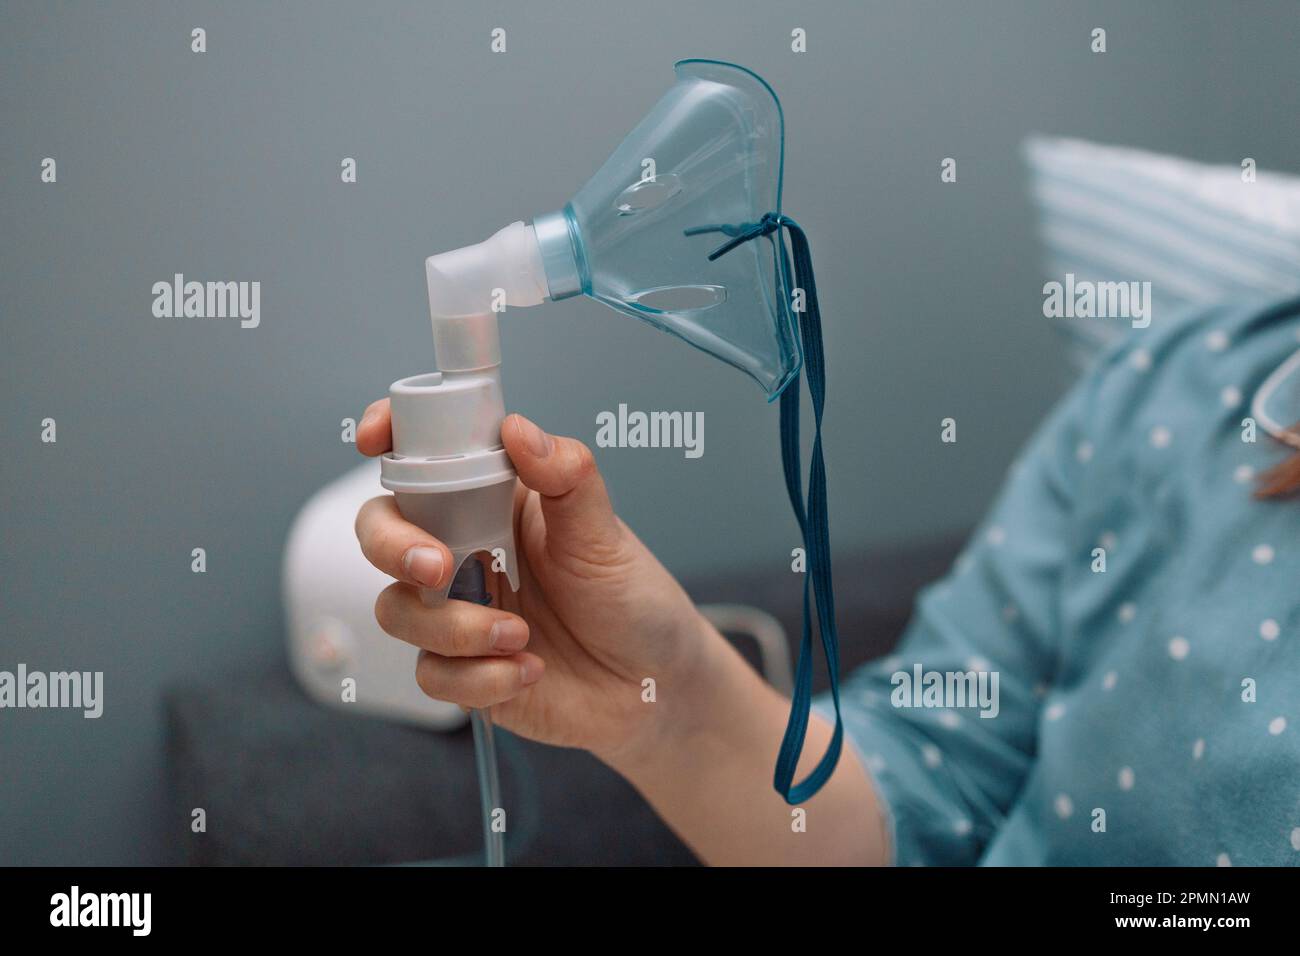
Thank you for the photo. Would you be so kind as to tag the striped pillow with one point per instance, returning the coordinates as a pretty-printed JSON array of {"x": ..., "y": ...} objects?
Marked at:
[{"x": 1197, "y": 233}]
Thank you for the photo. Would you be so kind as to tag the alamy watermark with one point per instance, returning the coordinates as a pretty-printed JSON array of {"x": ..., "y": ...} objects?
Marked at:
[
  {"x": 946, "y": 689},
  {"x": 75, "y": 690},
  {"x": 1084, "y": 299},
  {"x": 633, "y": 429},
  {"x": 75, "y": 908},
  {"x": 208, "y": 300}
]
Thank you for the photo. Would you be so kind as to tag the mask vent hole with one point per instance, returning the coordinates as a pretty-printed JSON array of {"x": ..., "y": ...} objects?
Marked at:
[
  {"x": 647, "y": 194},
  {"x": 678, "y": 298}
]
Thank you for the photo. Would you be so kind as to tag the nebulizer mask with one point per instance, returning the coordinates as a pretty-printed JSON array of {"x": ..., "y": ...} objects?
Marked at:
[{"x": 682, "y": 228}]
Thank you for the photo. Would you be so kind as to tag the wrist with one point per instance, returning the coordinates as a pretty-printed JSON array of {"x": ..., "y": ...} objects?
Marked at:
[{"x": 690, "y": 712}]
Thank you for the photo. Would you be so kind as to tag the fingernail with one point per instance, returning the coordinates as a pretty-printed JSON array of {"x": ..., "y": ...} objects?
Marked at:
[
  {"x": 538, "y": 442},
  {"x": 508, "y": 635},
  {"x": 366, "y": 416},
  {"x": 530, "y": 670},
  {"x": 424, "y": 565}
]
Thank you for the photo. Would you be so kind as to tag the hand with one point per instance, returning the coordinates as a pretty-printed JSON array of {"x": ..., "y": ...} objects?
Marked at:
[{"x": 563, "y": 659}]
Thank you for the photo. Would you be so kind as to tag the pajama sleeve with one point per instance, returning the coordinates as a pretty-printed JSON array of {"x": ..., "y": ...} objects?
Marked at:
[{"x": 946, "y": 776}]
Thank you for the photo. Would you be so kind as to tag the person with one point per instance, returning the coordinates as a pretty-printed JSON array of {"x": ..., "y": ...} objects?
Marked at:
[{"x": 1134, "y": 595}]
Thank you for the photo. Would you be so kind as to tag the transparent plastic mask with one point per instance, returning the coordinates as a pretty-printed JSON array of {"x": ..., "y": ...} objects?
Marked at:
[{"x": 709, "y": 153}]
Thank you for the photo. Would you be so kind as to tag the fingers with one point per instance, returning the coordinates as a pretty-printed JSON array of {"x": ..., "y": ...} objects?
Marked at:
[
  {"x": 476, "y": 681},
  {"x": 562, "y": 470},
  {"x": 470, "y": 655},
  {"x": 375, "y": 430},
  {"x": 399, "y": 548},
  {"x": 453, "y": 629}
]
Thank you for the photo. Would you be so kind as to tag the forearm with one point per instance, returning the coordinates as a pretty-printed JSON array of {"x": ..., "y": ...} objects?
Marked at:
[{"x": 709, "y": 775}]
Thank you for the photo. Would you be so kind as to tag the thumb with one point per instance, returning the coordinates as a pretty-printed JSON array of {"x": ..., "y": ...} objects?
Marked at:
[{"x": 579, "y": 517}]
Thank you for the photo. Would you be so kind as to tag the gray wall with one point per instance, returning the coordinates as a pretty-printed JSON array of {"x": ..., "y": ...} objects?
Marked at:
[{"x": 174, "y": 434}]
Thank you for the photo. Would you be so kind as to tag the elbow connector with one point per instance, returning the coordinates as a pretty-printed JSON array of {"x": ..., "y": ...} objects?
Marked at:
[{"x": 469, "y": 286}]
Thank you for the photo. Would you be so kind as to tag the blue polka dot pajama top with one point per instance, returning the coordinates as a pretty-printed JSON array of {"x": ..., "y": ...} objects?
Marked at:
[{"x": 1142, "y": 612}]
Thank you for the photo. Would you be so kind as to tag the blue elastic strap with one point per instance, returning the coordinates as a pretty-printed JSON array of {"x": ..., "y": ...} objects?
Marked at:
[{"x": 812, "y": 515}]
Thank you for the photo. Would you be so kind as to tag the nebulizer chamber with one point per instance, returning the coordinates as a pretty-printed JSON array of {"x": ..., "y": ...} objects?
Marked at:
[{"x": 637, "y": 237}]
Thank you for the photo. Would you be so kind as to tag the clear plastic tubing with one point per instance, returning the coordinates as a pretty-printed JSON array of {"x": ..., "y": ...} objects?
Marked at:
[
  {"x": 470, "y": 585},
  {"x": 489, "y": 786}
]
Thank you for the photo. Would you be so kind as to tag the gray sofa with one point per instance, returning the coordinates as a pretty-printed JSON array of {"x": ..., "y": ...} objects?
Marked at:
[{"x": 284, "y": 781}]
